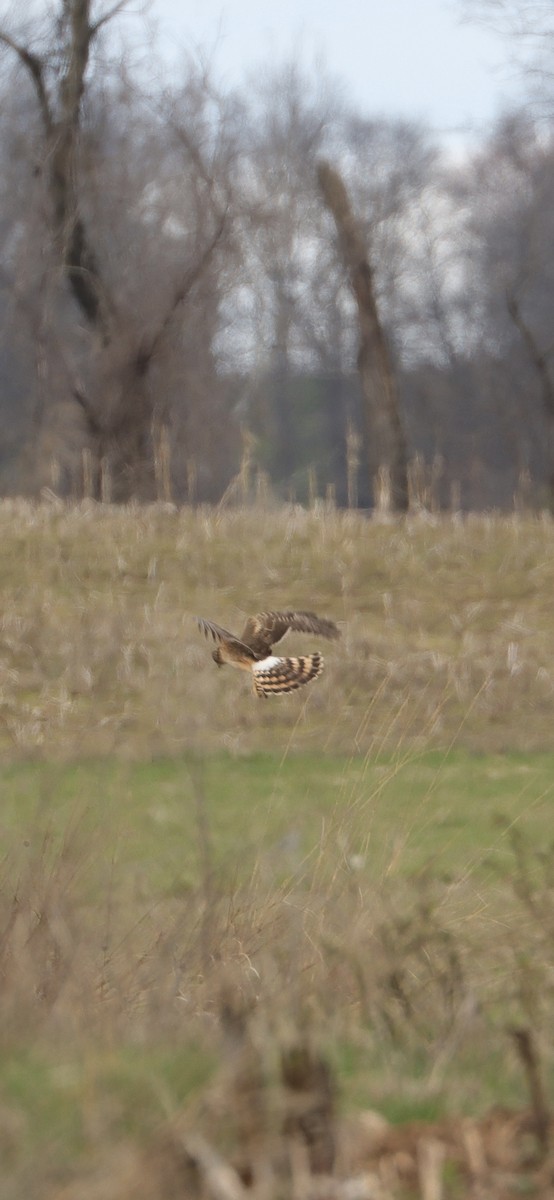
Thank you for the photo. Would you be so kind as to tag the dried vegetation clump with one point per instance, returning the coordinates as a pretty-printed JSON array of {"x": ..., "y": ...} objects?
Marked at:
[
  {"x": 305, "y": 1152},
  {"x": 230, "y": 1042}
]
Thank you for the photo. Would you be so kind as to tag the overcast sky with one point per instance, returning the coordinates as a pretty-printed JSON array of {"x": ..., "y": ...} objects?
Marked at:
[{"x": 411, "y": 58}]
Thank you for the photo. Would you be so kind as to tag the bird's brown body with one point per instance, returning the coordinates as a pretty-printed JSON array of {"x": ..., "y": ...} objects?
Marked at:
[
  {"x": 252, "y": 650},
  {"x": 234, "y": 656}
]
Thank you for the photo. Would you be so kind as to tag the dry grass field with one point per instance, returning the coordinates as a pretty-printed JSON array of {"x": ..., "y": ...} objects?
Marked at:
[
  {"x": 296, "y": 947},
  {"x": 447, "y": 630}
]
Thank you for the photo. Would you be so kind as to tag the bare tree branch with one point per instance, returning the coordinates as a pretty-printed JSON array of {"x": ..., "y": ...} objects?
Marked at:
[
  {"x": 94, "y": 425},
  {"x": 111, "y": 386},
  {"x": 36, "y": 70},
  {"x": 536, "y": 356},
  {"x": 107, "y": 16},
  {"x": 189, "y": 279},
  {"x": 80, "y": 262}
]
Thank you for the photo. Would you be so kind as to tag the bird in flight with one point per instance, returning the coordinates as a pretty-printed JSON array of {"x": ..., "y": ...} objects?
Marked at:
[{"x": 252, "y": 650}]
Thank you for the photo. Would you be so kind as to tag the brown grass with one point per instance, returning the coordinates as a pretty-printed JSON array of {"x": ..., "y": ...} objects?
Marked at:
[
  {"x": 447, "y": 629},
  {"x": 164, "y": 1044}
]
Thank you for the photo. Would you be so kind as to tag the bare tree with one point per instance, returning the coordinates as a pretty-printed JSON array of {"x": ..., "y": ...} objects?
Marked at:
[
  {"x": 542, "y": 364},
  {"x": 113, "y": 381},
  {"x": 527, "y": 27},
  {"x": 290, "y": 114},
  {"x": 510, "y": 217},
  {"x": 387, "y": 446}
]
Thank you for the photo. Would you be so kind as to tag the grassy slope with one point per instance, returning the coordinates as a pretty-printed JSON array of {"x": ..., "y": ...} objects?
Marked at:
[
  {"x": 448, "y": 631},
  {"x": 366, "y": 857}
]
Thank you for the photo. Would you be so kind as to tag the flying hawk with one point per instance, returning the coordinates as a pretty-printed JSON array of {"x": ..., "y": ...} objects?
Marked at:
[{"x": 252, "y": 650}]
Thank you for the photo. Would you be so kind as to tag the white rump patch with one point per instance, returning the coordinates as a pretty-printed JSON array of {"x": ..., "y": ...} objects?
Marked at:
[{"x": 267, "y": 664}]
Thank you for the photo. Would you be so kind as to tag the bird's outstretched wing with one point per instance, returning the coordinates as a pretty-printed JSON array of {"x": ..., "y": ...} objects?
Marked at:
[
  {"x": 210, "y": 629},
  {"x": 265, "y": 629},
  {"x": 273, "y": 676}
]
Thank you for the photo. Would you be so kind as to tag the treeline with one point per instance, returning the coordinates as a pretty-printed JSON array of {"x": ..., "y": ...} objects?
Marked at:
[{"x": 176, "y": 319}]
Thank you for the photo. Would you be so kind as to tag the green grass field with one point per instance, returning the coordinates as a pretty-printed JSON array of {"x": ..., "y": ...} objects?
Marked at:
[
  {"x": 393, "y": 817},
  {"x": 183, "y": 866}
]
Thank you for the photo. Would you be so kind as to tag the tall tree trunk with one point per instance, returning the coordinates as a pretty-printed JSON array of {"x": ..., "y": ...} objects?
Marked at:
[
  {"x": 386, "y": 438},
  {"x": 119, "y": 407},
  {"x": 61, "y": 117},
  {"x": 283, "y": 456},
  {"x": 541, "y": 366}
]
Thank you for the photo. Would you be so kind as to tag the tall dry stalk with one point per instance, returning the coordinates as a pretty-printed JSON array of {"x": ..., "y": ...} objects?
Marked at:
[
  {"x": 162, "y": 464},
  {"x": 240, "y": 487},
  {"x": 423, "y": 481},
  {"x": 353, "y": 447},
  {"x": 88, "y": 473},
  {"x": 192, "y": 479},
  {"x": 55, "y": 473},
  {"x": 106, "y": 480},
  {"x": 523, "y": 494},
  {"x": 312, "y": 486},
  {"x": 383, "y": 492}
]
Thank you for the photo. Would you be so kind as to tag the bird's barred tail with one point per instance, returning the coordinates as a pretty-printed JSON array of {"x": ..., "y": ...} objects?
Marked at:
[{"x": 273, "y": 675}]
